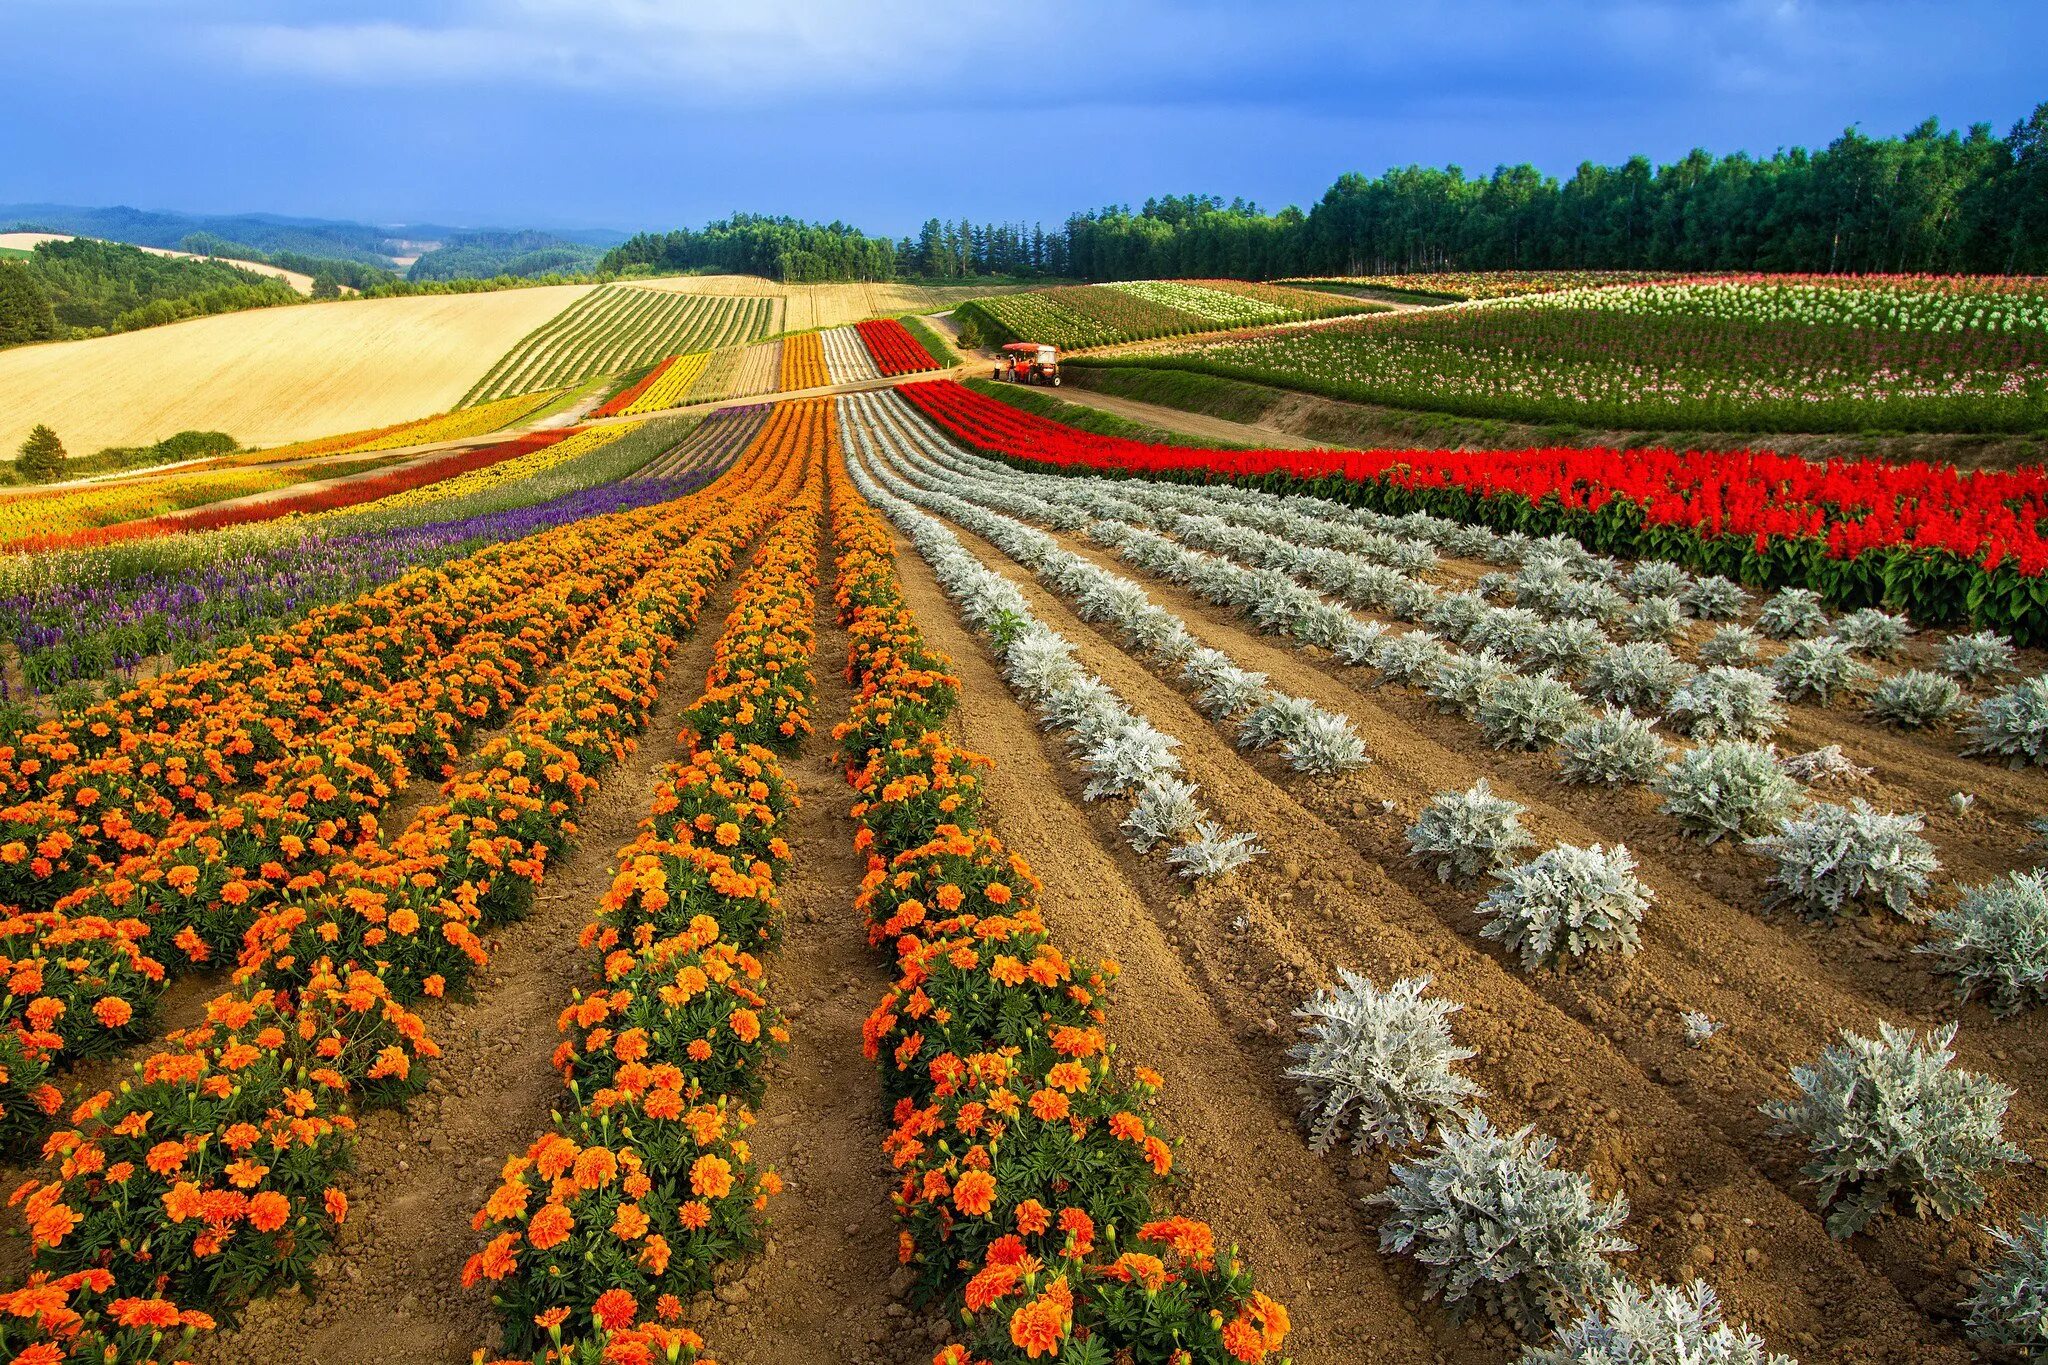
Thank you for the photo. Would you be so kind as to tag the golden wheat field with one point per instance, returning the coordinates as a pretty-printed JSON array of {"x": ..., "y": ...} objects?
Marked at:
[{"x": 271, "y": 374}]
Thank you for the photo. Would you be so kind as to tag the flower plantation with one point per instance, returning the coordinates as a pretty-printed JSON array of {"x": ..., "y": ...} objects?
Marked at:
[{"x": 893, "y": 876}]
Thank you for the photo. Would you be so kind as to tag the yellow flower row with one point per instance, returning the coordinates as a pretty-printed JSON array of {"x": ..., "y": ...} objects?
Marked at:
[
  {"x": 672, "y": 387},
  {"x": 447, "y": 426},
  {"x": 64, "y": 511},
  {"x": 491, "y": 476}
]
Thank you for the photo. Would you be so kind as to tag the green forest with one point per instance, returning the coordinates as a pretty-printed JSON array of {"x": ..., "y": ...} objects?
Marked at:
[
  {"x": 752, "y": 244},
  {"x": 521, "y": 255},
  {"x": 83, "y": 288}
]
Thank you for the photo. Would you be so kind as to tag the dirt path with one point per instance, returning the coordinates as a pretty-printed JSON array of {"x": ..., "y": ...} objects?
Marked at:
[
  {"x": 395, "y": 1275},
  {"x": 1589, "y": 1060},
  {"x": 821, "y": 1290},
  {"x": 1189, "y": 423}
]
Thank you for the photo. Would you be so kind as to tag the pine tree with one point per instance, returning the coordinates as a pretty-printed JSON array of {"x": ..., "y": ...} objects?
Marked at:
[{"x": 42, "y": 456}]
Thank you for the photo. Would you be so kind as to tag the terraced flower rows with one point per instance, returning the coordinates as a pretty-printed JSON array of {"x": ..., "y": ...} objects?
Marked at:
[
  {"x": 620, "y": 327},
  {"x": 1079, "y": 316}
]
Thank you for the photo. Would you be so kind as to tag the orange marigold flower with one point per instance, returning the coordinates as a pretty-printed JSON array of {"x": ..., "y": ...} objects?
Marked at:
[
  {"x": 551, "y": 1319},
  {"x": 1050, "y": 1106},
  {"x": 268, "y": 1211},
  {"x": 694, "y": 1214},
  {"x": 1243, "y": 1342},
  {"x": 337, "y": 1204},
  {"x": 974, "y": 1192},
  {"x": 112, "y": 1011},
  {"x": 166, "y": 1157},
  {"x": 1033, "y": 1218},
  {"x": 614, "y": 1309},
  {"x": 1038, "y": 1327},
  {"x": 550, "y": 1227},
  {"x": 629, "y": 1224},
  {"x": 711, "y": 1176}
]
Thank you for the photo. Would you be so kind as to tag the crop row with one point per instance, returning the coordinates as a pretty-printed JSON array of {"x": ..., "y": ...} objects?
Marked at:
[
  {"x": 894, "y": 349},
  {"x": 460, "y": 424},
  {"x": 1078, "y": 316},
  {"x": 647, "y": 1181},
  {"x": 619, "y": 327},
  {"x": 669, "y": 385},
  {"x": 575, "y": 445},
  {"x": 1028, "y": 1161},
  {"x": 216, "y": 1176},
  {"x": 846, "y": 355},
  {"x": 1723, "y": 355},
  {"x": 55, "y": 516},
  {"x": 803, "y": 363},
  {"x": 1940, "y": 543}
]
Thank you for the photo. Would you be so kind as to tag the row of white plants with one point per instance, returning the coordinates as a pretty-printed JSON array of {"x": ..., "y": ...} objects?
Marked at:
[{"x": 1119, "y": 752}]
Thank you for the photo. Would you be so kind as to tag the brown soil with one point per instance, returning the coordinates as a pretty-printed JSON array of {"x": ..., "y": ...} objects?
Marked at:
[
  {"x": 1593, "y": 1056},
  {"x": 1265, "y": 410}
]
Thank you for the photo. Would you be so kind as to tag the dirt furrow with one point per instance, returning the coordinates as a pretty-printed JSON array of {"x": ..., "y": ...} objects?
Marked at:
[{"x": 1338, "y": 893}]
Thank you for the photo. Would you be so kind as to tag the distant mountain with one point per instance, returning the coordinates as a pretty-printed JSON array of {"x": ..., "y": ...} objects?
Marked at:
[
  {"x": 272, "y": 233},
  {"x": 486, "y": 255}
]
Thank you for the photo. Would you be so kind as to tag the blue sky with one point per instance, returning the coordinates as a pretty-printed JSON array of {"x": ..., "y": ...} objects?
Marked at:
[{"x": 652, "y": 113}]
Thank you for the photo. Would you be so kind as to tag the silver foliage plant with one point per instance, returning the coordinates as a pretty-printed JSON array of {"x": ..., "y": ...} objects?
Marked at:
[
  {"x": 1325, "y": 746},
  {"x": 1873, "y": 633},
  {"x": 1978, "y": 658},
  {"x": 1714, "y": 598},
  {"x": 1612, "y": 749},
  {"x": 1461, "y": 681},
  {"x": 1793, "y": 614},
  {"x": 1888, "y": 1123},
  {"x": 1568, "y": 903},
  {"x": 1462, "y": 836},
  {"x": 1209, "y": 852},
  {"x": 2010, "y": 1305},
  {"x": 1528, "y": 712},
  {"x": 1163, "y": 808},
  {"x": 1726, "y": 703},
  {"x": 1641, "y": 676},
  {"x": 1732, "y": 646},
  {"x": 1826, "y": 766},
  {"x": 1659, "y": 1325},
  {"x": 1727, "y": 790},
  {"x": 1994, "y": 941},
  {"x": 1914, "y": 700},
  {"x": 1378, "y": 1064},
  {"x": 1821, "y": 669},
  {"x": 2011, "y": 727},
  {"x": 1498, "y": 1229},
  {"x": 1830, "y": 858},
  {"x": 1654, "y": 618}
]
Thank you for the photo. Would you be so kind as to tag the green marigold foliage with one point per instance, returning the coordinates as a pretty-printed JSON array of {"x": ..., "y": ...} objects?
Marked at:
[
  {"x": 1888, "y": 1124},
  {"x": 2010, "y": 1307},
  {"x": 1831, "y": 857},
  {"x": 1657, "y": 1326},
  {"x": 1569, "y": 903},
  {"x": 1462, "y": 836},
  {"x": 1498, "y": 1229},
  {"x": 1994, "y": 941},
  {"x": 1727, "y": 790},
  {"x": 1381, "y": 1063}
]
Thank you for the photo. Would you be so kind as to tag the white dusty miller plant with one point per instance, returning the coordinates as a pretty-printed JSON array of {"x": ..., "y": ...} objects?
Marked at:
[
  {"x": 1568, "y": 903},
  {"x": 1209, "y": 852},
  {"x": 1793, "y": 614},
  {"x": 1726, "y": 703},
  {"x": 1826, "y": 766},
  {"x": 1822, "y": 669},
  {"x": 2012, "y": 727},
  {"x": 1872, "y": 633},
  {"x": 1887, "y": 1123},
  {"x": 1727, "y": 790},
  {"x": 2010, "y": 1305},
  {"x": 1914, "y": 699},
  {"x": 1612, "y": 749},
  {"x": 1640, "y": 676},
  {"x": 1524, "y": 712},
  {"x": 1380, "y": 1064},
  {"x": 1462, "y": 836},
  {"x": 1655, "y": 1326},
  {"x": 1973, "y": 659},
  {"x": 1830, "y": 858},
  {"x": 1700, "y": 1027},
  {"x": 1731, "y": 645},
  {"x": 1994, "y": 941},
  {"x": 1499, "y": 1229},
  {"x": 1163, "y": 808}
]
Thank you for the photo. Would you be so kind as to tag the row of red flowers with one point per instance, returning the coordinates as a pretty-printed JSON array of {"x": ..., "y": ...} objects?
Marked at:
[
  {"x": 601, "y": 1229},
  {"x": 894, "y": 349},
  {"x": 626, "y": 397},
  {"x": 1940, "y": 541},
  {"x": 1030, "y": 1165}
]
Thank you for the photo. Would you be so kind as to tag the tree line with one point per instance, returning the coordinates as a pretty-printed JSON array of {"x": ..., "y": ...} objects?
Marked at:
[
  {"x": 82, "y": 287},
  {"x": 755, "y": 244}
]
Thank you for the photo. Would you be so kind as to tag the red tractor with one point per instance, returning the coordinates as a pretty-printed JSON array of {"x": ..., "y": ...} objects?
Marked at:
[{"x": 1028, "y": 362}]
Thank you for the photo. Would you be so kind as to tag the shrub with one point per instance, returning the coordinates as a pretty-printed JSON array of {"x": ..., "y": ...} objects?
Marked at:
[
  {"x": 2012, "y": 726},
  {"x": 1461, "y": 681},
  {"x": 1612, "y": 748},
  {"x": 1506, "y": 630},
  {"x": 2010, "y": 1305},
  {"x": 1660, "y": 1326},
  {"x": 1654, "y": 578},
  {"x": 1726, "y": 703},
  {"x": 1568, "y": 903},
  {"x": 1411, "y": 658},
  {"x": 1714, "y": 598},
  {"x": 1378, "y": 1062},
  {"x": 1274, "y": 721},
  {"x": 1886, "y": 1122},
  {"x": 1971, "y": 659},
  {"x": 1872, "y": 633},
  {"x": 1522, "y": 712},
  {"x": 1734, "y": 645},
  {"x": 1462, "y": 836},
  {"x": 1730, "y": 789},
  {"x": 1498, "y": 1228},
  {"x": 1914, "y": 699},
  {"x": 1641, "y": 676},
  {"x": 1654, "y": 618},
  {"x": 1570, "y": 643},
  {"x": 1793, "y": 614},
  {"x": 1164, "y": 808},
  {"x": 1831, "y": 857},
  {"x": 1209, "y": 852},
  {"x": 1820, "y": 668},
  {"x": 1324, "y": 746},
  {"x": 1222, "y": 689},
  {"x": 1360, "y": 643},
  {"x": 1994, "y": 941}
]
